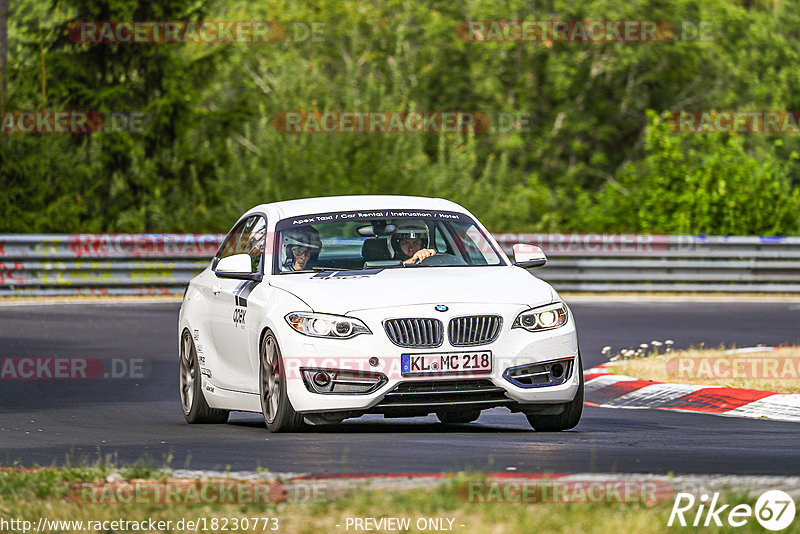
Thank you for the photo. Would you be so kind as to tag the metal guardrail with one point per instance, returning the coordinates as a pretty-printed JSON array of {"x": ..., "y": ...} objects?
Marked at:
[
  {"x": 601, "y": 263},
  {"x": 162, "y": 264},
  {"x": 102, "y": 264}
]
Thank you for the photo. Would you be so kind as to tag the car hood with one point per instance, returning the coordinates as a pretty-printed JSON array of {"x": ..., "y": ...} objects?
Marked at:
[{"x": 349, "y": 291}]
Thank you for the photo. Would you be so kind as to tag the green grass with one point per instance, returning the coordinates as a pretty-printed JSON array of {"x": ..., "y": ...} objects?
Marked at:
[
  {"x": 29, "y": 495},
  {"x": 781, "y": 377}
]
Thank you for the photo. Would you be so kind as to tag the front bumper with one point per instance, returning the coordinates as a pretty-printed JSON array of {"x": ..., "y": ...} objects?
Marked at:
[{"x": 512, "y": 348}]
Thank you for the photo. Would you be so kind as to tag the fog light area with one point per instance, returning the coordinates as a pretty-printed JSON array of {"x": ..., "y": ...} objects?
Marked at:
[
  {"x": 340, "y": 381},
  {"x": 541, "y": 374}
]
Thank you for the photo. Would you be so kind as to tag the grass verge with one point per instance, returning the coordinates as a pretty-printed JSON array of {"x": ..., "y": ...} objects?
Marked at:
[
  {"x": 46, "y": 493},
  {"x": 775, "y": 370}
]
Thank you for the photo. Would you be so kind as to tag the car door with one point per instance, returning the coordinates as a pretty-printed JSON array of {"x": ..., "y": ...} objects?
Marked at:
[{"x": 233, "y": 334}]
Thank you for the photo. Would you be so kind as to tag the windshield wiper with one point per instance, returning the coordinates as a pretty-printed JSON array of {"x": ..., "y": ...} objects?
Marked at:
[{"x": 317, "y": 270}]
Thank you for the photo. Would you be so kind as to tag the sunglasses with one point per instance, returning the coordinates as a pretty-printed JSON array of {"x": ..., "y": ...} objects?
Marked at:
[{"x": 301, "y": 251}]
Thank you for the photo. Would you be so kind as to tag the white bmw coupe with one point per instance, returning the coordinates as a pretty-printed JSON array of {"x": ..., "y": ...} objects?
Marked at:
[{"x": 318, "y": 310}]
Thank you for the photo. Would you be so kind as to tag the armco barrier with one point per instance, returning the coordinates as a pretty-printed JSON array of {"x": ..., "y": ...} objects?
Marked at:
[
  {"x": 608, "y": 262},
  {"x": 148, "y": 264},
  {"x": 102, "y": 264}
]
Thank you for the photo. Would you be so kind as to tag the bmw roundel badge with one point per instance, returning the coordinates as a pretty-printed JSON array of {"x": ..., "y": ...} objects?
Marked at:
[{"x": 441, "y": 308}]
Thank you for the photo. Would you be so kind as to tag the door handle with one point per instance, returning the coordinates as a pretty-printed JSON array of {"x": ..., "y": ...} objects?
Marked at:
[{"x": 217, "y": 289}]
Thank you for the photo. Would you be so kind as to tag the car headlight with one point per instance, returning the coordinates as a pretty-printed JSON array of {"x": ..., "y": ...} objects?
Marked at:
[
  {"x": 327, "y": 326},
  {"x": 542, "y": 318}
]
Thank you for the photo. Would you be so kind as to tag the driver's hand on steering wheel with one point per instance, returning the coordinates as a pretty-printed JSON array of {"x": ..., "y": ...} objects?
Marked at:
[{"x": 420, "y": 255}]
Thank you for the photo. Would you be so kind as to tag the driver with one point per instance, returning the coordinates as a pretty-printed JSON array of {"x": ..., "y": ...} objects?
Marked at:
[
  {"x": 302, "y": 248},
  {"x": 410, "y": 242}
]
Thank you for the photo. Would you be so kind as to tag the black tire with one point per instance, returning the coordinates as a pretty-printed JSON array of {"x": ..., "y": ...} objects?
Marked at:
[
  {"x": 466, "y": 415},
  {"x": 567, "y": 419},
  {"x": 275, "y": 406},
  {"x": 193, "y": 402}
]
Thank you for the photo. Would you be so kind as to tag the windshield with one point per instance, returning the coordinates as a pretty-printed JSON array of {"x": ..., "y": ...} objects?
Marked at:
[{"x": 381, "y": 239}]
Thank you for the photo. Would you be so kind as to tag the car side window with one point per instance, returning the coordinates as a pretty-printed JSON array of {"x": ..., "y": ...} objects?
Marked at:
[
  {"x": 228, "y": 247},
  {"x": 478, "y": 249},
  {"x": 253, "y": 241}
]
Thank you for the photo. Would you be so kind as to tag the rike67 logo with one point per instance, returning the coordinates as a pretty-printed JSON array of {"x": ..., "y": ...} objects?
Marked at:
[{"x": 774, "y": 510}]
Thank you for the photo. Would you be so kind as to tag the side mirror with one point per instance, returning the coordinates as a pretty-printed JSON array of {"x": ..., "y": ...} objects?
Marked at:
[
  {"x": 237, "y": 266},
  {"x": 527, "y": 256}
]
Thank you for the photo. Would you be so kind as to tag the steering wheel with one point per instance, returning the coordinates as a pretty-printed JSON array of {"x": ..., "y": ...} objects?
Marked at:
[{"x": 440, "y": 260}]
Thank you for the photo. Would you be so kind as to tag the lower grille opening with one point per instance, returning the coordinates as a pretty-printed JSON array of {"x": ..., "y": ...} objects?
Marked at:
[{"x": 426, "y": 394}]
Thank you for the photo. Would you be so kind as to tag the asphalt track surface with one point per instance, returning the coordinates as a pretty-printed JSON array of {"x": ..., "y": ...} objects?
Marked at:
[{"x": 45, "y": 422}]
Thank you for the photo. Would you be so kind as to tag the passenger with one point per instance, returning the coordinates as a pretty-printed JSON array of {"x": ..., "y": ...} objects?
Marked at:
[
  {"x": 302, "y": 246},
  {"x": 410, "y": 242}
]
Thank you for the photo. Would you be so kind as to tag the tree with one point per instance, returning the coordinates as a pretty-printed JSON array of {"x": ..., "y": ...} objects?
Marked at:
[{"x": 699, "y": 184}]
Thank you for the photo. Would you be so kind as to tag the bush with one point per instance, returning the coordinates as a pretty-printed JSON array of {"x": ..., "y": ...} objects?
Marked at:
[{"x": 699, "y": 184}]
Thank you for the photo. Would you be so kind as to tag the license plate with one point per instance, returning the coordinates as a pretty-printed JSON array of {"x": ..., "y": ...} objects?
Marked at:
[{"x": 446, "y": 363}]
